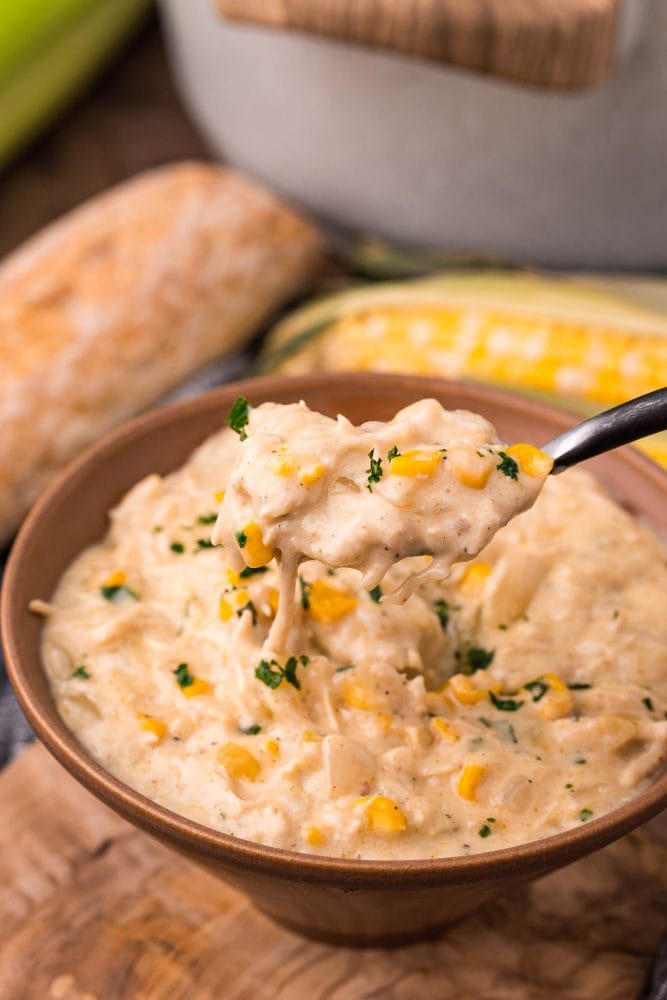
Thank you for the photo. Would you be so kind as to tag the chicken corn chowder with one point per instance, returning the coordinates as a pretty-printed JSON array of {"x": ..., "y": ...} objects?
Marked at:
[{"x": 341, "y": 640}]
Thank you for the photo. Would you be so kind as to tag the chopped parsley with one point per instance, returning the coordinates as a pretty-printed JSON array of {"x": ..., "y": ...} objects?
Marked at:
[
  {"x": 158, "y": 528},
  {"x": 393, "y": 453},
  {"x": 248, "y": 606},
  {"x": 375, "y": 594},
  {"x": 569, "y": 786},
  {"x": 241, "y": 538},
  {"x": 585, "y": 814},
  {"x": 207, "y": 518},
  {"x": 177, "y": 547},
  {"x": 581, "y": 760},
  {"x": 441, "y": 609},
  {"x": 505, "y": 704},
  {"x": 184, "y": 678},
  {"x": 250, "y": 730},
  {"x": 485, "y": 831},
  {"x": 477, "y": 658},
  {"x": 374, "y": 471},
  {"x": 342, "y": 670},
  {"x": 648, "y": 703},
  {"x": 238, "y": 417},
  {"x": 118, "y": 592},
  {"x": 304, "y": 587},
  {"x": 537, "y": 688},
  {"x": 273, "y": 678},
  {"x": 503, "y": 628},
  {"x": 81, "y": 673},
  {"x": 579, "y": 687},
  {"x": 252, "y": 571},
  {"x": 507, "y": 465},
  {"x": 205, "y": 543}
]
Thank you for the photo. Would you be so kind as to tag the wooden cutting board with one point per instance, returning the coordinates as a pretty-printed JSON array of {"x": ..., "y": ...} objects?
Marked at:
[{"x": 91, "y": 909}]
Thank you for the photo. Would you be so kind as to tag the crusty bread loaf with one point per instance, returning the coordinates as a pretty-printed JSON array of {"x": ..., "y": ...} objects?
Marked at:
[{"x": 114, "y": 304}]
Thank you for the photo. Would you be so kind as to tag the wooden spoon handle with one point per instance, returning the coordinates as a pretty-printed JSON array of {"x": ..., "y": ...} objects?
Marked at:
[{"x": 546, "y": 43}]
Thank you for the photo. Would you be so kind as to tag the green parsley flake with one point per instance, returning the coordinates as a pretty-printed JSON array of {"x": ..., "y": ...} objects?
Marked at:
[
  {"x": 393, "y": 453},
  {"x": 648, "y": 703},
  {"x": 477, "y": 658},
  {"x": 205, "y": 543},
  {"x": 581, "y": 760},
  {"x": 585, "y": 814},
  {"x": 304, "y": 587},
  {"x": 250, "y": 730},
  {"x": 441, "y": 609},
  {"x": 183, "y": 676},
  {"x": 507, "y": 465},
  {"x": 118, "y": 592},
  {"x": 505, "y": 704},
  {"x": 207, "y": 518},
  {"x": 273, "y": 678},
  {"x": 248, "y": 606},
  {"x": 569, "y": 787},
  {"x": 537, "y": 688},
  {"x": 374, "y": 471},
  {"x": 241, "y": 538},
  {"x": 81, "y": 673},
  {"x": 485, "y": 831},
  {"x": 177, "y": 547},
  {"x": 579, "y": 687},
  {"x": 342, "y": 670},
  {"x": 375, "y": 594},
  {"x": 252, "y": 571},
  {"x": 238, "y": 418}
]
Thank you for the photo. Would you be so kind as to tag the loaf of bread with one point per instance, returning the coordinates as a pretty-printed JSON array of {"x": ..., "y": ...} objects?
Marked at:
[{"x": 116, "y": 303}]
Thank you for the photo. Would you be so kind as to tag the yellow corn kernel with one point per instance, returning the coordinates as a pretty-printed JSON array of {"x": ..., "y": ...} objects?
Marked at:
[
  {"x": 154, "y": 726},
  {"x": 285, "y": 465},
  {"x": 385, "y": 721},
  {"x": 384, "y": 816},
  {"x": 116, "y": 579},
  {"x": 472, "y": 581},
  {"x": 234, "y": 578},
  {"x": 255, "y": 552},
  {"x": 219, "y": 496},
  {"x": 197, "y": 687},
  {"x": 464, "y": 690},
  {"x": 273, "y": 747},
  {"x": 558, "y": 701},
  {"x": 273, "y": 597},
  {"x": 444, "y": 729},
  {"x": 470, "y": 778},
  {"x": 225, "y": 611},
  {"x": 415, "y": 463},
  {"x": 311, "y": 476},
  {"x": 354, "y": 695},
  {"x": 241, "y": 597},
  {"x": 327, "y": 604},
  {"x": 531, "y": 460},
  {"x": 310, "y": 737},
  {"x": 239, "y": 762},
  {"x": 315, "y": 837},
  {"x": 473, "y": 472}
]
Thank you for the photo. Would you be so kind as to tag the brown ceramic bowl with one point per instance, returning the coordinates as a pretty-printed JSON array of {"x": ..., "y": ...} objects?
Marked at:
[{"x": 347, "y": 902}]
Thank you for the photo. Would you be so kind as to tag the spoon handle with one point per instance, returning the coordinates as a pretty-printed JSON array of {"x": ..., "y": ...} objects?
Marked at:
[{"x": 625, "y": 423}]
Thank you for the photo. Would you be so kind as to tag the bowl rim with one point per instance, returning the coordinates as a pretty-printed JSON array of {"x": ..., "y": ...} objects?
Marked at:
[{"x": 537, "y": 856}]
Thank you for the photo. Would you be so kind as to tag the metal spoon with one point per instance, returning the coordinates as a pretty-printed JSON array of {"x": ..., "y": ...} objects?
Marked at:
[{"x": 622, "y": 424}]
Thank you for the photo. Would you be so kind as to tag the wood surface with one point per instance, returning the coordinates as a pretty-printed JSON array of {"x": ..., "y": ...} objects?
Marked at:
[
  {"x": 547, "y": 43},
  {"x": 91, "y": 909}
]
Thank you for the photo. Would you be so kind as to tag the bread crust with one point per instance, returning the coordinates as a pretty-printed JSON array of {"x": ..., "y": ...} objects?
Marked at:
[{"x": 117, "y": 302}]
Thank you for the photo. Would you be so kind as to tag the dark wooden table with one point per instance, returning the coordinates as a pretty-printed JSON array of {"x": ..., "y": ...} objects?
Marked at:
[{"x": 129, "y": 120}]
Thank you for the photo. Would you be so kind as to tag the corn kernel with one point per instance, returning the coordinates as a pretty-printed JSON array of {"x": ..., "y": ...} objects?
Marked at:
[
  {"x": 273, "y": 747},
  {"x": 464, "y": 691},
  {"x": 273, "y": 597},
  {"x": 154, "y": 726},
  {"x": 225, "y": 611},
  {"x": 315, "y": 837},
  {"x": 239, "y": 762},
  {"x": 384, "y": 816},
  {"x": 531, "y": 460},
  {"x": 284, "y": 466},
  {"x": 311, "y": 476},
  {"x": 472, "y": 581},
  {"x": 558, "y": 701},
  {"x": 234, "y": 578},
  {"x": 310, "y": 737},
  {"x": 470, "y": 470},
  {"x": 197, "y": 687},
  {"x": 255, "y": 552},
  {"x": 444, "y": 729},
  {"x": 327, "y": 604},
  {"x": 384, "y": 720},
  {"x": 116, "y": 579},
  {"x": 219, "y": 496},
  {"x": 241, "y": 597},
  {"x": 470, "y": 778},
  {"x": 354, "y": 695},
  {"x": 415, "y": 463}
]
